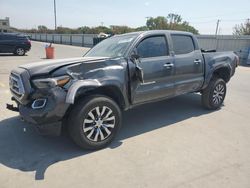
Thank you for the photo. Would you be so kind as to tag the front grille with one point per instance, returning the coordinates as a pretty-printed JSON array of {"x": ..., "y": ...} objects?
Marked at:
[{"x": 16, "y": 85}]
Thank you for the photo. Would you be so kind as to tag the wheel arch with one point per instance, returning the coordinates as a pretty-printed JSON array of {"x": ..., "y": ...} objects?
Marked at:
[
  {"x": 94, "y": 87},
  {"x": 223, "y": 72},
  {"x": 18, "y": 46},
  {"x": 110, "y": 91}
]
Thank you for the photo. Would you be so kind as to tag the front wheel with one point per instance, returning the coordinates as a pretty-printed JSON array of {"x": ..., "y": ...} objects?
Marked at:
[
  {"x": 94, "y": 122},
  {"x": 213, "y": 96}
]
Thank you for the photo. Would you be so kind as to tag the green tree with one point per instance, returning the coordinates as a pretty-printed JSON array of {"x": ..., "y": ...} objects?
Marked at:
[
  {"x": 63, "y": 30},
  {"x": 42, "y": 28},
  {"x": 171, "y": 22},
  {"x": 84, "y": 29},
  {"x": 142, "y": 28},
  {"x": 159, "y": 22},
  {"x": 242, "y": 29},
  {"x": 174, "y": 20},
  {"x": 115, "y": 29}
]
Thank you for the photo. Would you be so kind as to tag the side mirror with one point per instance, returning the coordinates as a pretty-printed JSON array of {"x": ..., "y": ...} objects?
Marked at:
[{"x": 134, "y": 57}]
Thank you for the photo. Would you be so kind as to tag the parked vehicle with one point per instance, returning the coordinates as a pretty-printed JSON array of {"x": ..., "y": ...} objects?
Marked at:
[
  {"x": 87, "y": 94},
  {"x": 14, "y": 43}
]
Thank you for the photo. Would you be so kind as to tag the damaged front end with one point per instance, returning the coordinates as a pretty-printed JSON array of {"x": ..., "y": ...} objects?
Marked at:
[
  {"x": 44, "y": 93},
  {"x": 40, "y": 102}
]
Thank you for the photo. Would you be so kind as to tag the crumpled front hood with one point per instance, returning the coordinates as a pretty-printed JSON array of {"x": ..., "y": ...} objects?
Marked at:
[{"x": 46, "y": 67}]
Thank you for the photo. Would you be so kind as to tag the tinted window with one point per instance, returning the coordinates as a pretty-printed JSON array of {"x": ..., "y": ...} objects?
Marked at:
[
  {"x": 9, "y": 37},
  {"x": 153, "y": 47},
  {"x": 183, "y": 44},
  {"x": 21, "y": 38}
]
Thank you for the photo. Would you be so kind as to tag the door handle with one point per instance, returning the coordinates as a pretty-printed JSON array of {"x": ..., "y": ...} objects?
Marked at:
[
  {"x": 168, "y": 65},
  {"x": 197, "y": 61}
]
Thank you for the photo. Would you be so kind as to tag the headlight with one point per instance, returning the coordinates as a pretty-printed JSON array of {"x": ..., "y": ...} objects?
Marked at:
[{"x": 51, "y": 82}]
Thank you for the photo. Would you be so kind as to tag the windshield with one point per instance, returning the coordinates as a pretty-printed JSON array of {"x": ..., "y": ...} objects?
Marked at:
[{"x": 115, "y": 46}]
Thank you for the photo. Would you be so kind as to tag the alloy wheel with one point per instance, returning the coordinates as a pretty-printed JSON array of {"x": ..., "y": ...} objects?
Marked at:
[
  {"x": 218, "y": 94},
  {"x": 99, "y": 123},
  {"x": 20, "y": 51}
]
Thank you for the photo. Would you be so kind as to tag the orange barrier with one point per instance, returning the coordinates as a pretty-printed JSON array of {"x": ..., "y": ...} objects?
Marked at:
[{"x": 50, "y": 52}]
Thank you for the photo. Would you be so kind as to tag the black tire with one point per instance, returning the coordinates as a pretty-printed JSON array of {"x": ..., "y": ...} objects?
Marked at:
[
  {"x": 20, "y": 51},
  {"x": 210, "y": 99},
  {"x": 79, "y": 122}
]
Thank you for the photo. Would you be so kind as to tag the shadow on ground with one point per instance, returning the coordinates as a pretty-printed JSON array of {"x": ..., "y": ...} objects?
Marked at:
[
  {"x": 245, "y": 65},
  {"x": 27, "y": 151},
  {"x": 10, "y": 54}
]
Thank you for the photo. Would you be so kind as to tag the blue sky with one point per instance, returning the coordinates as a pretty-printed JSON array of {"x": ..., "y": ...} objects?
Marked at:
[{"x": 75, "y": 13}]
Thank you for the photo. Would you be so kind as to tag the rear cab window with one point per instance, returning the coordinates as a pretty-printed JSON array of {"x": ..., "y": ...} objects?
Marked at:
[
  {"x": 154, "y": 46},
  {"x": 182, "y": 44}
]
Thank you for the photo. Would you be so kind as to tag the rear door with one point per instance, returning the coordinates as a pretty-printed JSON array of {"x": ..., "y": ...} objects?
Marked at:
[
  {"x": 158, "y": 69},
  {"x": 189, "y": 64}
]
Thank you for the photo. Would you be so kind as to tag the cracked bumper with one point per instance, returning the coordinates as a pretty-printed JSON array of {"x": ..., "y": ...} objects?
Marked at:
[{"x": 47, "y": 120}]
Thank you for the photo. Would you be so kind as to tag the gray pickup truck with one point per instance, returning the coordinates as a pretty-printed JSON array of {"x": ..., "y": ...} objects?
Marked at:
[{"x": 88, "y": 94}]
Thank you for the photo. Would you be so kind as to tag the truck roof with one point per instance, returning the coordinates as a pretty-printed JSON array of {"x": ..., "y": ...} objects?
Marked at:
[{"x": 158, "y": 32}]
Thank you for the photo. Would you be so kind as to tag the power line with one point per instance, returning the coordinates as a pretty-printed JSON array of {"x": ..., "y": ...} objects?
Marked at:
[
  {"x": 221, "y": 20},
  {"x": 219, "y": 15},
  {"x": 234, "y": 20},
  {"x": 210, "y": 21}
]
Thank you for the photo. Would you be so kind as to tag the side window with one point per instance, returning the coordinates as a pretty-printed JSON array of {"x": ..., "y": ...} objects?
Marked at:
[
  {"x": 183, "y": 44},
  {"x": 10, "y": 37},
  {"x": 7, "y": 37},
  {"x": 153, "y": 47},
  {"x": 21, "y": 38}
]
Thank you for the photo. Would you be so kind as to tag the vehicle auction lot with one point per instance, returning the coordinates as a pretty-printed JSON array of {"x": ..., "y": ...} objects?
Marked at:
[{"x": 173, "y": 143}]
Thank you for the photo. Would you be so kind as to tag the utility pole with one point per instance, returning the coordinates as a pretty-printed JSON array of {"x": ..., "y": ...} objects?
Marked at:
[
  {"x": 248, "y": 21},
  {"x": 147, "y": 18},
  {"x": 55, "y": 14},
  {"x": 217, "y": 27},
  {"x": 216, "y": 34}
]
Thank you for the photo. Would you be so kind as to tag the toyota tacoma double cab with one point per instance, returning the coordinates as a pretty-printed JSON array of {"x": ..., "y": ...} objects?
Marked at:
[{"x": 88, "y": 94}]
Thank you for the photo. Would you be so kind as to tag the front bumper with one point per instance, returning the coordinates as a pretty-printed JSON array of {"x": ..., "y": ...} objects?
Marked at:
[{"x": 48, "y": 119}]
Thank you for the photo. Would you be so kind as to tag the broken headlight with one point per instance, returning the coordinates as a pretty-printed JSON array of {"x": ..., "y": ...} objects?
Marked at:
[{"x": 51, "y": 82}]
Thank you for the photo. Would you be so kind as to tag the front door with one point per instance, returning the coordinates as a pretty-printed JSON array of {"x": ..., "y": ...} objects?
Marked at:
[{"x": 158, "y": 70}]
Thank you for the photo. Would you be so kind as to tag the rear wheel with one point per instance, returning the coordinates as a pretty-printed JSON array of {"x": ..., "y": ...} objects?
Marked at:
[
  {"x": 213, "y": 96},
  {"x": 19, "y": 51},
  {"x": 94, "y": 122}
]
